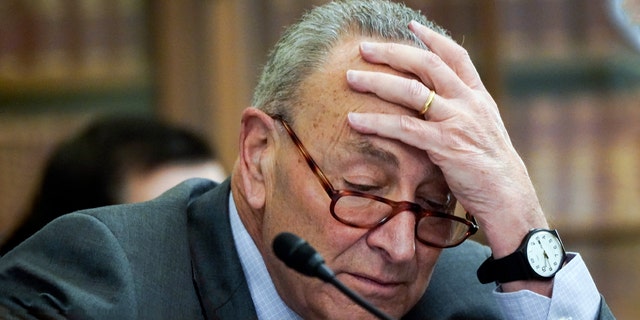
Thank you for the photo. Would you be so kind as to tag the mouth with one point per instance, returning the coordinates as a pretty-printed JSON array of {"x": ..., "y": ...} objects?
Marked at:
[{"x": 373, "y": 287}]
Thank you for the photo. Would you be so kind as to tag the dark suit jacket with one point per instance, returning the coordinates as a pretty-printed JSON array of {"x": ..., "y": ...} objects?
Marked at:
[{"x": 174, "y": 258}]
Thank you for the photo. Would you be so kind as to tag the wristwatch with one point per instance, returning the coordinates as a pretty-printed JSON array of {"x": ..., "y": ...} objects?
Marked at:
[{"x": 540, "y": 256}]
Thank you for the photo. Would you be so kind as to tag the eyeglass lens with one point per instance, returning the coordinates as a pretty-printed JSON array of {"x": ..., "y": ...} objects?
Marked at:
[{"x": 366, "y": 213}]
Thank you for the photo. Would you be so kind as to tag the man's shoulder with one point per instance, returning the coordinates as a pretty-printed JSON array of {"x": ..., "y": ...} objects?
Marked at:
[
  {"x": 456, "y": 269},
  {"x": 127, "y": 255},
  {"x": 469, "y": 251},
  {"x": 160, "y": 221},
  {"x": 454, "y": 291},
  {"x": 172, "y": 203}
]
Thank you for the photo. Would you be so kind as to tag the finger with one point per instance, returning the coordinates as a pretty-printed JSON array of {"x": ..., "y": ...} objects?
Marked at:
[
  {"x": 426, "y": 65},
  {"x": 454, "y": 55},
  {"x": 412, "y": 131},
  {"x": 410, "y": 93}
]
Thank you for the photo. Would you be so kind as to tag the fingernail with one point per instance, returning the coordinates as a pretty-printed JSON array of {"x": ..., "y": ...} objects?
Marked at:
[
  {"x": 351, "y": 75},
  {"x": 366, "y": 47},
  {"x": 358, "y": 121},
  {"x": 354, "y": 75},
  {"x": 414, "y": 23},
  {"x": 354, "y": 118}
]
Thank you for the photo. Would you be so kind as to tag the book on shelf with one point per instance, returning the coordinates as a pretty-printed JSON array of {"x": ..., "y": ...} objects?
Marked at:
[
  {"x": 582, "y": 151},
  {"x": 57, "y": 43}
]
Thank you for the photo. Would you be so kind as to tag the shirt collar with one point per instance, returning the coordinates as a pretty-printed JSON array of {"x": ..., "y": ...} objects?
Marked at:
[{"x": 266, "y": 300}]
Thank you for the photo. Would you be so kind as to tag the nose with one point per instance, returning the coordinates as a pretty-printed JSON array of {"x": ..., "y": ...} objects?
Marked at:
[{"x": 395, "y": 238}]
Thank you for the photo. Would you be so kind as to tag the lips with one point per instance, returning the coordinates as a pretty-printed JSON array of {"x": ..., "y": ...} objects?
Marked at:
[{"x": 372, "y": 286}]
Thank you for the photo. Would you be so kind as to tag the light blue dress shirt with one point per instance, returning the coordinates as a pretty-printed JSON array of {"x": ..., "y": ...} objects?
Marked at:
[{"x": 266, "y": 300}]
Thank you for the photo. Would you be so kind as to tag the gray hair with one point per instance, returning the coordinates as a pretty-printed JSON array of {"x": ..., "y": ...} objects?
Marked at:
[{"x": 305, "y": 45}]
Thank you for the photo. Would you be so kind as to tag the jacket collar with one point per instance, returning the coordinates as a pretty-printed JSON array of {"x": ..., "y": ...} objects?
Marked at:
[{"x": 217, "y": 272}]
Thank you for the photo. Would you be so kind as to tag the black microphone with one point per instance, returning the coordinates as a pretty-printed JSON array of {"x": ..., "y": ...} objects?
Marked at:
[{"x": 299, "y": 255}]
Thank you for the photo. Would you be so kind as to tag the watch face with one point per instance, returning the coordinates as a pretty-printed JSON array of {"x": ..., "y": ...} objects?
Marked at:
[{"x": 545, "y": 253}]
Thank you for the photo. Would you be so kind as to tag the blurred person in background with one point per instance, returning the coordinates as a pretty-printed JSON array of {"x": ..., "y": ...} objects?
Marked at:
[{"x": 116, "y": 159}]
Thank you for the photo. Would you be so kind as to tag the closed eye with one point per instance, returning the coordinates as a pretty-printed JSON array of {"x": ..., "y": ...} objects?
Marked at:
[
  {"x": 433, "y": 205},
  {"x": 360, "y": 187}
]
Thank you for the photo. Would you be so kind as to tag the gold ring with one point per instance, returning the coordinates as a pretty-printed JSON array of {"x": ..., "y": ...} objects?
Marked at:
[{"x": 427, "y": 103}]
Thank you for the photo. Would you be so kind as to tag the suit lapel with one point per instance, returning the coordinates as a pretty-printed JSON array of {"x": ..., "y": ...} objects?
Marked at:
[{"x": 217, "y": 272}]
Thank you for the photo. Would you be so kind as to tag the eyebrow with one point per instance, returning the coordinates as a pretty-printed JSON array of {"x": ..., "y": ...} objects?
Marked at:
[{"x": 367, "y": 148}]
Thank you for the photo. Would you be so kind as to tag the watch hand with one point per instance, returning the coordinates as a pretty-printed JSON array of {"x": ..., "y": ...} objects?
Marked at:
[
  {"x": 546, "y": 260},
  {"x": 544, "y": 252},
  {"x": 545, "y": 256}
]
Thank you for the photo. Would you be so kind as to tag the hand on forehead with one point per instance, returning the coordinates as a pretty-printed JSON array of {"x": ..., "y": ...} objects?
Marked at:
[{"x": 327, "y": 96}]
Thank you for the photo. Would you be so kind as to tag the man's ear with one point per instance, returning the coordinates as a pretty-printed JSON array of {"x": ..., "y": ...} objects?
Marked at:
[{"x": 256, "y": 154}]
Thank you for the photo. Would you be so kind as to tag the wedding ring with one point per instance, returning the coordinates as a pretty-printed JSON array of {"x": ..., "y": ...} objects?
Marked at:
[{"x": 427, "y": 103}]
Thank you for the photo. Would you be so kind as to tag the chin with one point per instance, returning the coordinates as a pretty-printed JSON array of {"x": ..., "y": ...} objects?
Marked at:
[
  {"x": 353, "y": 312},
  {"x": 335, "y": 305}
]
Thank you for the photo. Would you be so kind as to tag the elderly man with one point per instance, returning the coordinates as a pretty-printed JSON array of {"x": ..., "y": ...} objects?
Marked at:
[{"x": 367, "y": 126}]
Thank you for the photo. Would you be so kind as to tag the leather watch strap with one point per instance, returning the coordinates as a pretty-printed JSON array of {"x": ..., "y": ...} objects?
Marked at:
[{"x": 510, "y": 268}]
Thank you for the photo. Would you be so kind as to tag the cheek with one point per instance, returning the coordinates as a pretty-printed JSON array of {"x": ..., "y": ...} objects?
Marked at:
[
  {"x": 297, "y": 203},
  {"x": 299, "y": 206},
  {"x": 427, "y": 258}
]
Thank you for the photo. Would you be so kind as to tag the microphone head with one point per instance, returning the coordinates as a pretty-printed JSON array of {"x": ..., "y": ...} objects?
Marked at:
[{"x": 297, "y": 254}]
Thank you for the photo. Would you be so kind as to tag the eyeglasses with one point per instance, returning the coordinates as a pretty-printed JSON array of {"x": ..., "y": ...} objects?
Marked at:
[{"x": 362, "y": 210}]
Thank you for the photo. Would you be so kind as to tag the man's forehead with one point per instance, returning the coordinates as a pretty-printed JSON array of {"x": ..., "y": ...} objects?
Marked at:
[
  {"x": 327, "y": 99},
  {"x": 368, "y": 149},
  {"x": 327, "y": 87},
  {"x": 347, "y": 52}
]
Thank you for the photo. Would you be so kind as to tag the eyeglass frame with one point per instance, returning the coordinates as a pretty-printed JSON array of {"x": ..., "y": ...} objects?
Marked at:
[{"x": 397, "y": 206}]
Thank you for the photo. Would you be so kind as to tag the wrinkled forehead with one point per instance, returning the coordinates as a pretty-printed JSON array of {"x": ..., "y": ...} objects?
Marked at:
[{"x": 325, "y": 96}]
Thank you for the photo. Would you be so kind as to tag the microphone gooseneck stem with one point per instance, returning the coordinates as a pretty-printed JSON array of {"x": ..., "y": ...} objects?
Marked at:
[{"x": 359, "y": 300}]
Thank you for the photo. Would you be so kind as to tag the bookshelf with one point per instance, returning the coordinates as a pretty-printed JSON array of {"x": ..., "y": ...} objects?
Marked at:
[
  {"x": 71, "y": 45},
  {"x": 572, "y": 83}
]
